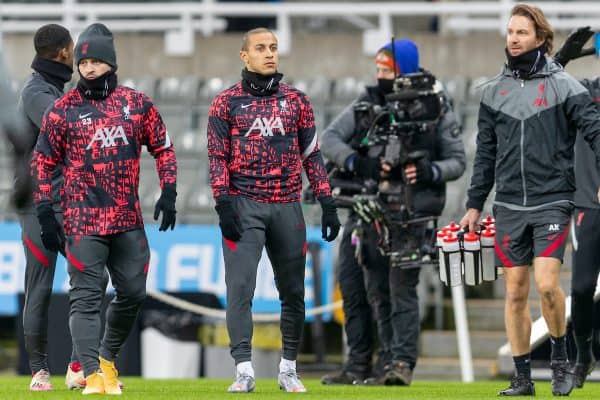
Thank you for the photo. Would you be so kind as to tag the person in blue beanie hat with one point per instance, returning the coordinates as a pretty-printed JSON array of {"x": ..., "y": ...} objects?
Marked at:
[
  {"x": 405, "y": 52},
  {"x": 371, "y": 288}
]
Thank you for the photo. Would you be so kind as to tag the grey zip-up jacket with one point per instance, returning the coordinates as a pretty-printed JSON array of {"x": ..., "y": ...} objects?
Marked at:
[
  {"x": 36, "y": 97},
  {"x": 526, "y": 136},
  {"x": 587, "y": 175},
  {"x": 449, "y": 156}
]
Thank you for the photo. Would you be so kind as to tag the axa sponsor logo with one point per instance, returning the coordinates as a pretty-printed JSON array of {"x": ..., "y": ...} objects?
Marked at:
[
  {"x": 267, "y": 127},
  {"x": 109, "y": 136}
]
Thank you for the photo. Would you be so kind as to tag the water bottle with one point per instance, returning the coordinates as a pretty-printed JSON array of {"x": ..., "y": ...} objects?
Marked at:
[
  {"x": 487, "y": 221},
  {"x": 453, "y": 227},
  {"x": 488, "y": 259},
  {"x": 439, "y": 242},
  {"x": 452, "y": 259},
  {"x": 472, "y": 259}
]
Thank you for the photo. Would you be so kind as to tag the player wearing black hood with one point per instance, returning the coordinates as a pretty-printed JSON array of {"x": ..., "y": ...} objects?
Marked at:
[{"x": 52, "y": 68}]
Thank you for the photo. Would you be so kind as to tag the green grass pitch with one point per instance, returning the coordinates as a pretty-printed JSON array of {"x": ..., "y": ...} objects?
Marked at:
[{"x": 16, "y": 388}]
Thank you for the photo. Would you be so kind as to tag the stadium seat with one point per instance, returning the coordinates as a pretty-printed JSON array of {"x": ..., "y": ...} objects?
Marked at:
[
  {"x": 347, "y": 89},
  {"x": 214, "y": 86}
]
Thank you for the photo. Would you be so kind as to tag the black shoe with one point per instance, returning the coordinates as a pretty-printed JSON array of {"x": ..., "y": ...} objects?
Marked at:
[
  {"x": 382, "y": 364},
  {"x": 374, "y": 381},
  {"x": 343, "y": 378},
  {"x": 519, "y": 386},
  {"x": 378, "y": 376},
  {"x": 563, "y": 379},
  {"x": 399, "y": 374},
  {"x": 581, "y": 371}
]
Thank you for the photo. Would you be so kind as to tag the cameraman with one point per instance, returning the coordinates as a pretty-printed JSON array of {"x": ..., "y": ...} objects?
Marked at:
[{"x": 391, "y": 292}]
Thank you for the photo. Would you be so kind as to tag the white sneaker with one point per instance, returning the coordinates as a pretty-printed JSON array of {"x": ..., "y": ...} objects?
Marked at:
[
  {"x": 74, "y": 378},
  {"x": 289, "y": 381},
  {"x": 243, "y": 383},
  {"x": 40, "y": 382}
]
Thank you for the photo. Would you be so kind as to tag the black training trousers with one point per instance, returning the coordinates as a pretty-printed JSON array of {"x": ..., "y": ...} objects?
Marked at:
[
  {"x": 586, "y": 267},
  {"x": 40, "y": 264},
  {"x": 126, "y": 255},
  {"x": 358, "y": 326},
  {"x": 278, "y": 227}
]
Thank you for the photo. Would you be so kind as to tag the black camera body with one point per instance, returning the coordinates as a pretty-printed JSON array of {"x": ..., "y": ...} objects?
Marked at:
[{"x": 391, "y": 132}]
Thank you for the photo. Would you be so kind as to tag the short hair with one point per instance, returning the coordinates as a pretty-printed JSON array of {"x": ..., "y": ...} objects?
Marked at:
[
  {"x": 543, "y": 29},
  {"x": 50, "y": 39},
  {"x": 253, "y": 32}
]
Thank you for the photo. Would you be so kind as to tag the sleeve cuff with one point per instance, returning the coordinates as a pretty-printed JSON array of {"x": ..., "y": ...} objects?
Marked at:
[
  {"x": 476, "y": 204},
  {"x": 349, "y": 163},
  {"x": 437, "y": 174}
]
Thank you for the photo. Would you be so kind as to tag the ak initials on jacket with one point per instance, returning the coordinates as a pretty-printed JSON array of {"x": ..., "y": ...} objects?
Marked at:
[
  {"x": 257, "y": 146},
  {"x": 99, "y": 144}
]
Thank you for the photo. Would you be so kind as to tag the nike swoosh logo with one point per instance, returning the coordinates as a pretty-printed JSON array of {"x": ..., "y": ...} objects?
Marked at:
[
  {"x": 246, "y": 105},
  {"x": 82, "y": 116}
]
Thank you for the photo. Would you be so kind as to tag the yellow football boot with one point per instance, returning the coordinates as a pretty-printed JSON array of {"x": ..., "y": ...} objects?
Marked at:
[
  {"x": 94, "y": 384},
  {"x": 111, "y": 377}
]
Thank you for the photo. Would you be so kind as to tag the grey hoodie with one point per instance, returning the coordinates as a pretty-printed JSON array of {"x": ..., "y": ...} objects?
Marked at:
[{"x": 36, "y": 97}]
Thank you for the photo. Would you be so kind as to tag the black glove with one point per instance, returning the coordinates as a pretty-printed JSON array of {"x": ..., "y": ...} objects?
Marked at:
[
  {"x": 573, "y": 46},
  {"x": 329, "y": 218},
  {"x": 424, "y": 170},
  {"x": 52, "y": 235},
  {"x": 166, "y": 204},
  {"x": 229, "y": 220},
  {"x": 367, "y": 167}
]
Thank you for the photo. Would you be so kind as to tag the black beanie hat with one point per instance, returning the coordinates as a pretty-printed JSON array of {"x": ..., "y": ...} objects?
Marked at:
[{"x": 96, "y": 41}]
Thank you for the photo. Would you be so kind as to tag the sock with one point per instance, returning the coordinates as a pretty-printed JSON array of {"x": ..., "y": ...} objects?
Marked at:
[
  {"x": 559, "y": 348},
  {"x": 523, "y": 365},
  {"x": 75, "y": 366},
  {"x": 287, "y": 365},
  {"x": 245, "y": 367},
  {"x": 584, "y": 349}
]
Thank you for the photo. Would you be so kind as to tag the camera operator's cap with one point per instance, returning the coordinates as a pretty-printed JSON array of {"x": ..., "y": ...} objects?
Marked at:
[
  {"x": 96, "y": 41},
  {"x": 406, "y": 54}
]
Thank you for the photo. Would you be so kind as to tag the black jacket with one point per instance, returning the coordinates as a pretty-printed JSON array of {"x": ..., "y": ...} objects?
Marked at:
[
  {"x": 526, "y": 137},
  {"x": 587, "y": 175}
]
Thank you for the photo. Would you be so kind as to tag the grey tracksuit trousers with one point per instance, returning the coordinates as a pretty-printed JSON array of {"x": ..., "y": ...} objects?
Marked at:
[
  {"x": 126, "y": 255},
  {"x": 278, "y": 227},
  {"x": 40, "y": 265}
]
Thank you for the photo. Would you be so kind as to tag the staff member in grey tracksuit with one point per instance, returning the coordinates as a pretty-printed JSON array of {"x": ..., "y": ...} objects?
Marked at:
[
  {"x": 52, "y": 68},
  {"x": 391, "y": 291},
  {"x": 528, "y": 118}
]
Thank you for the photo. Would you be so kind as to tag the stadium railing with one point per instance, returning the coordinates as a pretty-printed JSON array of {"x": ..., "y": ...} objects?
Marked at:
[{"x": 180, "y": 20}]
